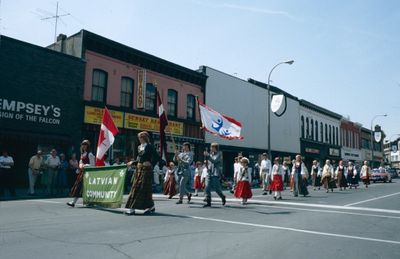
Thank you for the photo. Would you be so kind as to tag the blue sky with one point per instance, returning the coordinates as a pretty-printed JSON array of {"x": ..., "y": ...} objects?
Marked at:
[{"x": 347, "y": 54}]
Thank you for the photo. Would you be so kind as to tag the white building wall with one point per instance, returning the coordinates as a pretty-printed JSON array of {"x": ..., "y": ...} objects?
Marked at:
[
  {"x": 320, "y": 117},
  {"x": 247, "y": 103}
]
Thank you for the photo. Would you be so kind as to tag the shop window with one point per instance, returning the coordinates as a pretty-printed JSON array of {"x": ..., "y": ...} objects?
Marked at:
[
  {"x": 99, "y": 85},
  {"x": 151, "y": 103},
  {"x": 172, "y": 102},
  {"x": 126, "y": 92},
  {"x": 191, "y": 107}
]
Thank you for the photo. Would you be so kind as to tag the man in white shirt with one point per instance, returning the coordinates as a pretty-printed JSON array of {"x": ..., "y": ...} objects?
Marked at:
[
  {"x": 6, "y": 176},
  {"x": 265, "y": 170},
  {"x": 52, "y": 163},
  {"x": 236, "y": 170}
]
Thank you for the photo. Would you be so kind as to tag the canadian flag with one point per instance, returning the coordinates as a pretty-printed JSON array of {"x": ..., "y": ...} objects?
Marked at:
[
  {"x": 108, "y": 131},
  {"x": 163, "y": 124}
]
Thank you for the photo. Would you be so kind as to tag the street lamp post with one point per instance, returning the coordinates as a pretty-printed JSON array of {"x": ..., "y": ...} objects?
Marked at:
[
  {"x": 372, "y": 141},
  {"x": 289, "y": 62}
]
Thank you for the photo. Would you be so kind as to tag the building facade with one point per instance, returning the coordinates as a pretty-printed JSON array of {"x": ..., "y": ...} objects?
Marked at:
[
  {"x": 350, "y": 134},
  {"x": 246, "y": 101},
  {"x": 377, "y": 158},
  {"x": 126, "y": 80},
  {"x": 319, "y": 133},
  {"x": 40, "y": 102}
]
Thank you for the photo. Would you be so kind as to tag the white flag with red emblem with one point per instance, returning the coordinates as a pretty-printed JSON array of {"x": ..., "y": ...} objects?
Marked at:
[
  {"x": 108, "y": 131},
  {"x": 218, "y": 124}
]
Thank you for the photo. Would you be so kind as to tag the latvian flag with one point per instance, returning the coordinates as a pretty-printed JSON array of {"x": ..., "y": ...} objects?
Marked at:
[
  {"x": 163, "y": 124},
  {"x": 108, "y": 130},
  {"x": 218, "y": 124}
]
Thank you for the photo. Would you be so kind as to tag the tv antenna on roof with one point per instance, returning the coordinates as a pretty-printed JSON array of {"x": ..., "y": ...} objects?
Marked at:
[{"x": 56, "y": 17}]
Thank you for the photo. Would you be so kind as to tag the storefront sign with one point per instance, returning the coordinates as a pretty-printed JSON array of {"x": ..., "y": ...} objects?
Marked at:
[
  {"x": 104, "y": 185},
  {"x": 334, "y": 152},
  {"x": 141, "y": 89},
  {"x": 30, "y": 112},
  {"x": 94, "y": 115},
  {"x": 378, "y": 136},
  {"x": 312, "y": 150},
  {"x": 133, "y": 121}
]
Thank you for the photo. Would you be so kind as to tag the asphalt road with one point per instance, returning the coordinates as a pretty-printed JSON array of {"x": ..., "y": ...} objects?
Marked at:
[{"x": 362, "y": 223}]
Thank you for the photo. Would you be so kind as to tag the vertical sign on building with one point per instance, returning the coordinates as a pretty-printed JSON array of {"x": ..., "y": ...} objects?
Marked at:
[{"x": 141, "y": 89}]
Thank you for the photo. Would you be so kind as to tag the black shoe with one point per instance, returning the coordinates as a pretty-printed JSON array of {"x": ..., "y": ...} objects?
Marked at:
[
  {"x": 274, "y": 197},
  {"x": 179, "y": 202},
  {"x": 270, "y": 192},
  {"x": 264, "y": 193},
  {"x": 70, "y": 204},
  {"x": 189, "y": 197},
  {"x": 280, "y": 198},
  {"x": 231, "y": 191},
  {"x": 207, "y": 205},
  {"x": 223, "y": 200}
]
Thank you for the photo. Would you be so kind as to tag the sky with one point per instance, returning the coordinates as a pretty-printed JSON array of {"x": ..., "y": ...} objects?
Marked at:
[{"x": 347, "y": 53}]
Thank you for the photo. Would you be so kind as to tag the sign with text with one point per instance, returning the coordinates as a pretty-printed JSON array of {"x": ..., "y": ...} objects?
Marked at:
[
  {"x": 141, "y": 89},
  {"x": 94, "y": 115},
  {"x": 133, "y": 121},
  {"x": 104, "y": 185}
]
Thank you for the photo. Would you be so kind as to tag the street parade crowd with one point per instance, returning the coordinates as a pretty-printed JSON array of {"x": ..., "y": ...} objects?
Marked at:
[{"x": 149, "y": 170}]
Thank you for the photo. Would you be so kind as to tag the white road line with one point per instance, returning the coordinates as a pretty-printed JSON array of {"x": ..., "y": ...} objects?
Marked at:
[
  {"x": 373, "y": 199},
  {"x": 330, "y": 211},
  {"x": 45, "y": 201},
  {"x": 297, "y": 230}
]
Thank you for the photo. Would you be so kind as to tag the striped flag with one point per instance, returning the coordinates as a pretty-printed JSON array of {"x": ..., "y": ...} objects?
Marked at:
[
  {"x": 163, "y": 124},
  {"x": 108, "y": 131}
]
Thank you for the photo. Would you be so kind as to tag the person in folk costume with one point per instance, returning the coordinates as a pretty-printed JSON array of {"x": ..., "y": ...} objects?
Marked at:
[
  {"x": 286, "y": 174},
  {"x": 213, "y": 180},
  {"x": 300, "y": 176},
  {"x": 352, "y": 176},
  {"x": 87, "y": 159},
  {"x": 265, "y": 170},
  {"x": 365, "y": 174},
  {"x": 316, "y": 175},
  {"x": 277, "y": 175},
  {"x": 197, "y": 178},
  {"x": 340, "y": 176},
  {"x": 328, "y": 176},
  {"x": 291, "y": 182},
  {"x": 170, "y": 181},
  {"x": 184, "y": 160},
  {"x": 243, "y": 189},
  {"x": 140, "y": 198}
]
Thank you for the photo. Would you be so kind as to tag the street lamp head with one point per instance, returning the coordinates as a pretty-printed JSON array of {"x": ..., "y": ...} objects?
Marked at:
[
  {"x": 385, "y": 115},
  {"x": 290, "y": 62}
]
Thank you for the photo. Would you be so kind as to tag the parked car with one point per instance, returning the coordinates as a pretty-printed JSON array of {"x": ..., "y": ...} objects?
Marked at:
[
  {"x": 378, "y": 175},
  {"x": 392, "y": 172}
]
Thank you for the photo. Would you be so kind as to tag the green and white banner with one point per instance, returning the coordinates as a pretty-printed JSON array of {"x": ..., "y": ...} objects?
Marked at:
[{"x": 104, "y": 185}]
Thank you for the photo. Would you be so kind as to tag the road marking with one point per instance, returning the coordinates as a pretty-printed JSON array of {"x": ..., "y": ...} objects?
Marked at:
[
  {"x": 373, "y": 199},
  {"x": 297, "y": 230},
  {"x": 45, "y": 201},
  {"x": 330, "y": 211}
]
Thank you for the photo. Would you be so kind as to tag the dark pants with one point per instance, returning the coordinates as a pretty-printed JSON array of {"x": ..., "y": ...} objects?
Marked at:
[{"x": 7, "y": 181}]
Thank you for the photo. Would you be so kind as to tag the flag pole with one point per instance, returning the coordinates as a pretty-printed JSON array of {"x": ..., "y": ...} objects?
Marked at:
[
  {"x": 166, "y": 115},
  {"x": 202, "y": 126}
]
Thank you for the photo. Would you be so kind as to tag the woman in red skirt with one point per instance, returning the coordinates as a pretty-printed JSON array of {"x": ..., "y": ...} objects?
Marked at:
[
  {"x": 277, "y": 179},
  {"x": 243, "y": 189},
  {"x": 197, "y": 178},
  {"x": 170, "y": 181}
]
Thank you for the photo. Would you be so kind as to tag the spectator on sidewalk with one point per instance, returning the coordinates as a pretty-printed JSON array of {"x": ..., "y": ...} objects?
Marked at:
[
  {"x": 53, "y": 164},
  {"x": 35, "y": 165},
  {"x": 6, "y": 175},
  {"x": 62, "y": 174}
]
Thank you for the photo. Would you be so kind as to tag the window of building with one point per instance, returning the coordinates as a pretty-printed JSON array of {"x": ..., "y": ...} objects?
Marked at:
[
  {"x": 330, "y": 134},
  {"x": 307, "y": 129},
  {"x": 302, "y": 126},
  {"x": 322, "y": 131},
  {"x": 99, "y": 85},
  {"x": 333, "y": 136},
  {"x": 151, "y": 101},
  {"x": 326, "y": 133},
  {"x": 191, "y": 107},
  {"x": 337, "y": 136},
  {"x": 172, "y": 102},
  {"x": 312, "y": 129},
  {"x": 349, "y": 138},
  {"x": 316, "y": 130},
  {"x": 126, "y": 92}
]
